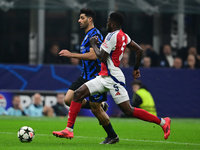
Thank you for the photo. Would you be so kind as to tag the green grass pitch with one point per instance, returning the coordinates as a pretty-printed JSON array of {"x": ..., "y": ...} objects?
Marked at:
[{"x": 133, "y": 133}]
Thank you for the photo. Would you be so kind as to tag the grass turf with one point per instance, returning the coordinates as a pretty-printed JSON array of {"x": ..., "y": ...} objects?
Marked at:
[{"x": 133, "y": 133}]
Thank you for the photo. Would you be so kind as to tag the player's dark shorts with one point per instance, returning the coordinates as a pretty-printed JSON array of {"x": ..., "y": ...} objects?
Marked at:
[{"x": 93, "y": 98}]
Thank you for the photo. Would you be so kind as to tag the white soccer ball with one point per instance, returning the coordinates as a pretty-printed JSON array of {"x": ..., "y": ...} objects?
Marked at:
[{"x": 25, "y": 134}]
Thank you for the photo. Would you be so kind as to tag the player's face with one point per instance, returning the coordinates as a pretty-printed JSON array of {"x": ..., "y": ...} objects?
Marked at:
[
  {"x": 109, "y": 25},
  {"x": 83, "y": 21}
]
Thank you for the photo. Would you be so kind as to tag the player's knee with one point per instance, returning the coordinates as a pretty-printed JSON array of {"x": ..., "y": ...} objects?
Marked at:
[
  {"x": 78, "y": 96},
  {"x": 67, "y": 101}
]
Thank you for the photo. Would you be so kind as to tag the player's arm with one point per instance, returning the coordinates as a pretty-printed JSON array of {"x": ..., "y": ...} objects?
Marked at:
[
  {"x": 102, "y": 55},
  {"x": 138, "y": 50},
  {"x": 87, "y": 56}
]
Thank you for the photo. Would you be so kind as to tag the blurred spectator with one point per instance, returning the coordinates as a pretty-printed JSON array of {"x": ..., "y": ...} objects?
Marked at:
[
  {"x": 191, "y": 61},
  {"x": 74, "y": 61},
  {"x": 37, "y": 109},
  {"x": 52, "y": 56},
  {"x": 2, "y": 110},
  {"x": 178, "y": 63},
  {"x": 60, "y": 109},
  {"x": 149, "y": 51},
  {"x": 142, "y": 98},
  {"x": 166, "y": 57},
  {"x": 125, "y": 60},
  {"x": 182, "y": 53},
  {"x": 17, "y": 109},
  {"x": 146, "y": 62},
  {"x": 192, "y": 50}
]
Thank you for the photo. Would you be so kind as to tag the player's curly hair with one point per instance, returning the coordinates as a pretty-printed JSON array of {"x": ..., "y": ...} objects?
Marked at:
[
  {"x": 88, "y": 12},
  {"x": 118, "y": 18}
]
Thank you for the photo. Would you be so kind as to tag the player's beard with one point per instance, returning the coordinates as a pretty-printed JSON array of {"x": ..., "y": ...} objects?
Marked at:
[{"x": 84, "y": 25}]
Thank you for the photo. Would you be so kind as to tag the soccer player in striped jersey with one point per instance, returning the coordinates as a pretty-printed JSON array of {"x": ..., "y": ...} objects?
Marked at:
[
  {"x": 90, "y": 64},
  {"x": 112, "y": 79}
]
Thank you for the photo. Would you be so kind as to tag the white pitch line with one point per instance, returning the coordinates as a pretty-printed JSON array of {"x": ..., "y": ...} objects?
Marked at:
[{"x": 150, "y": 141}]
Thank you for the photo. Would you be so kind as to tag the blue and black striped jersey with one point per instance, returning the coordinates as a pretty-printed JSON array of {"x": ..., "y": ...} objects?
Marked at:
[{"x": 90, "y": 68}]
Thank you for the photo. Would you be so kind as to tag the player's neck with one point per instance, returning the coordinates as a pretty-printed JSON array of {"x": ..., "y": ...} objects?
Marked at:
[
  {"x": 115, "y": 29},
  {"x": 89, "y": 27}
]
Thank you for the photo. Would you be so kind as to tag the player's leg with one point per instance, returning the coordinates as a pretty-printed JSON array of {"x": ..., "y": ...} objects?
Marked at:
[
  {"x": 74, "y": 109},
  {"x": 70, "y": 93},
  {"x": 91, "y": 87},
  {"x": 146, "y": 116},
  {"x": 97, "y": 86},
  {"x": 104, "y": 120},
  {"x": 70, "y": 96},
  {"x": 120, "y": 95}
]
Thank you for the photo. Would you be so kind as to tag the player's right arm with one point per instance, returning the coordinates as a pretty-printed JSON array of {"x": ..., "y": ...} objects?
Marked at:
[
  {"x": 87, "y": 56},
  {"x": 101, "y": 54}
]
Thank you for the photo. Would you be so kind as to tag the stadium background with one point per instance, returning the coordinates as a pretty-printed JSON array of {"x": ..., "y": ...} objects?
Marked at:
[{"x": 29, "y": 27}]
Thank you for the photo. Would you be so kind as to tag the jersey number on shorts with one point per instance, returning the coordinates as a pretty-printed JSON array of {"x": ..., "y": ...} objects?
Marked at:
[{"x": 116, "y": 87}]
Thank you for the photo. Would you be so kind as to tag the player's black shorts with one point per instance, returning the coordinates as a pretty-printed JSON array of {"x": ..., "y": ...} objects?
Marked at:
[{"x": 93, "y": 98}]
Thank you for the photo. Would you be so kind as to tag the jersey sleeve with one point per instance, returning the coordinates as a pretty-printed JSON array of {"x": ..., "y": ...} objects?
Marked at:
[
  {"x": 109, "y": 43},
  {"x": 128, "y": 39}
]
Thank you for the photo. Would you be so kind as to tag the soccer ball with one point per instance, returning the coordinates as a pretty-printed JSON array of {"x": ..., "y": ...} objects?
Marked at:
[{"x": 25, "y": 134}]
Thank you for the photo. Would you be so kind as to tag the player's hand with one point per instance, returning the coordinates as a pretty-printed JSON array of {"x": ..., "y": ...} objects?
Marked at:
[
  {"x": 94, "y": 40},
  {"x": 136, "y": 74},
  {"x": 65, "y": 53}
]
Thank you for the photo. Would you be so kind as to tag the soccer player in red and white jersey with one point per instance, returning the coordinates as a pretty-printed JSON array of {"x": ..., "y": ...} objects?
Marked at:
[{"x": 112, "y": 79}]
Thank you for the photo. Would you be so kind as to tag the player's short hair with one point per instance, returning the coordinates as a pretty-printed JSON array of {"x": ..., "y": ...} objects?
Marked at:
[
  {"x": 118, "y": 18},
  {"x": 88, "y": 12}
]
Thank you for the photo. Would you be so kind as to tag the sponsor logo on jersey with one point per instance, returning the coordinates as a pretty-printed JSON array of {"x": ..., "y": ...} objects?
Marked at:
[{"x": 117, "y": 94}]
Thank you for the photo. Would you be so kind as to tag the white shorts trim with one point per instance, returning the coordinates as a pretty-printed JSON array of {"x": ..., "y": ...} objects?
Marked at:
[{"x": 102, "y": 84}]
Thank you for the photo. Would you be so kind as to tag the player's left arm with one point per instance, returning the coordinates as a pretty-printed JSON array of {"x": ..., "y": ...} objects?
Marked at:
[
  {"x": 138, "y": 50},
  {"x": 102, "y": 55}
]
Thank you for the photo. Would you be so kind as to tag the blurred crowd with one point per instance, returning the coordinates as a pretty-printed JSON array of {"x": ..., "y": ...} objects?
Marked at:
[
  {"x": 184, "y": 58},
  {"x": 36, "y": 109}
]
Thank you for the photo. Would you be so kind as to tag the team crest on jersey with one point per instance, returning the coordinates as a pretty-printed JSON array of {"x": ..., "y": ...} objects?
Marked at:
[
  {"x": 105, "y": 45},
  {"x": 83, "y": 50}
]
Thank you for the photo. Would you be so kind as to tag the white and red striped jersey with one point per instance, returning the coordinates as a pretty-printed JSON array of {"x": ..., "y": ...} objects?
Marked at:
[{"x": 114, "y": 44}]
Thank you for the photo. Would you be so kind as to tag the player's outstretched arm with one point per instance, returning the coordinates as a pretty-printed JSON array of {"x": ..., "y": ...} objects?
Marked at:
[
  {"x": 102, "y": 55},
  {"x": 136, "y": 48},
  {"x": 87, "y": 56}
]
